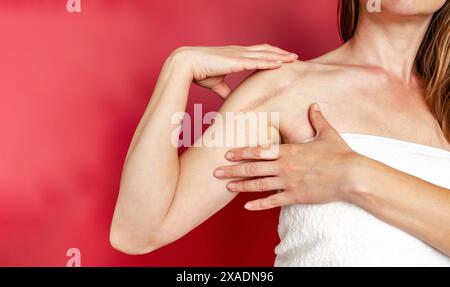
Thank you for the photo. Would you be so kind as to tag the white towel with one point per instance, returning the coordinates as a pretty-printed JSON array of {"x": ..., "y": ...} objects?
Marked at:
[{"x": 341, "y": 234}]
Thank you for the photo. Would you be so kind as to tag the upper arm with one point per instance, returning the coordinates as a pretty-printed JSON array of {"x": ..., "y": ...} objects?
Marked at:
[{"x": 199, "y": 194}]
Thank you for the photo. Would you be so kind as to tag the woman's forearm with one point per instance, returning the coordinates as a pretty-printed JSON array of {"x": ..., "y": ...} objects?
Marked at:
[
  {"x": 169, "y": 96},
  {"x": 151, "y": 169},
  {"x": 407, "y": 202}
]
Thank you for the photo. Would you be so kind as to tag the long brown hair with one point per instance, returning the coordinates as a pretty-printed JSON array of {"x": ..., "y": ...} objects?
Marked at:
[{"x": 432, "y": 62}]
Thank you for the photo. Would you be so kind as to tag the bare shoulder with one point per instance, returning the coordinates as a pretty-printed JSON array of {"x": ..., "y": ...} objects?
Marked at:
[
  {"x": 338, "y": 87},
  {"x": 310, "y": 74},
  {"x": 302, "y": 83},
  {"x": 262, "y": 85},
  {"x": 267, "y": 85}
]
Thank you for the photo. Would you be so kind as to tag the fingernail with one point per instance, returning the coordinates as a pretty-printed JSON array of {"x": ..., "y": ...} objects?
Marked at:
[
  {"x": 316, "y": 107},
  {"x": 293, "y": 55},
  {"x": 229, "y": 155},
  {"x": 219, "y": 172},
  {"x": 248, "y": 205},
  {"x": 279, "y": 62},
  {"x": 231, "y": 186}
]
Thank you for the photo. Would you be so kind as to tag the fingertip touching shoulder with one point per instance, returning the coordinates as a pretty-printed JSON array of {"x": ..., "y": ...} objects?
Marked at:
[
  {"x": 263, "y": 85},
  {"x": 285, "y": 75}
]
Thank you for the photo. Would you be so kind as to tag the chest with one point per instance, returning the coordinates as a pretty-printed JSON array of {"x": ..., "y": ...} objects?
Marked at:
[{"x": 378, "y": 110}]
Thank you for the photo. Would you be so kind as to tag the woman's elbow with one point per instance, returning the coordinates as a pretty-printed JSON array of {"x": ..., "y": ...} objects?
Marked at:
[{"x": 128, "y": 243}]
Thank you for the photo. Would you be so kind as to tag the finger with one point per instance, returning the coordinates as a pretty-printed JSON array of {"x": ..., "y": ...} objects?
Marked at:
[
  {"x": 275, "y": 200},
  {"x": 269, "y": 55},
  {"x": 267, "y": 47},
  {"x": 256, "y": 185},
  {"x": 222, "y": 89},
  {"x": 249, "y": 169},
  {"x": 258, "y": 64},
  {"x": 255, "y": 153},
  {"x": 318, "y": 121}
]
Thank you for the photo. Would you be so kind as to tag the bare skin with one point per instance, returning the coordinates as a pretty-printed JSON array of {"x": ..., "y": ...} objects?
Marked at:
[
  {"x": 326, "y": 169},
  {"x": 360, "y": 88},
  {"x": 163, "y": 196}
]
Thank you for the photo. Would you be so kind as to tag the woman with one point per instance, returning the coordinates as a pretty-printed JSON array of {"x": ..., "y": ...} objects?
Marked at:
[{"x": 348, "y": 198}]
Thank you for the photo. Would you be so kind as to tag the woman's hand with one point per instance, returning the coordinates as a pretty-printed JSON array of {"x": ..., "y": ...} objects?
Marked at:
[
  {"x": 326, "y": 169},
  {"x": 317, "y": 171},
  {"x": 210, "y": 65}
]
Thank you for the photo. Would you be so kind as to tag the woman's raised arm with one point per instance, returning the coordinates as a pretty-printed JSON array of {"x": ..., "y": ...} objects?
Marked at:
[{"x": 162, "y": 196}]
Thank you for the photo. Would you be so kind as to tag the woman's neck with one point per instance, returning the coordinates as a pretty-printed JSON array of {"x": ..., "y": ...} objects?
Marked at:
[{"x": 388, "y": 42}]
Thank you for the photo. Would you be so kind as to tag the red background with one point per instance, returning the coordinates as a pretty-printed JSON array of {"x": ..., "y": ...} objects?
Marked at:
[{"x": 72, "y": 90}]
